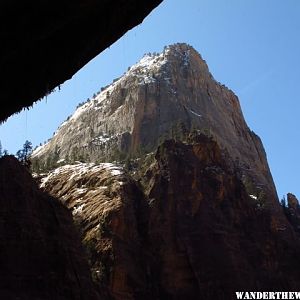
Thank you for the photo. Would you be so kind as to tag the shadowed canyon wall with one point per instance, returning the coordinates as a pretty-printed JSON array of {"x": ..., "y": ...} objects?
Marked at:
[
  {"x": 40, "y": 252},
  {"x": 194, "y": 234}
]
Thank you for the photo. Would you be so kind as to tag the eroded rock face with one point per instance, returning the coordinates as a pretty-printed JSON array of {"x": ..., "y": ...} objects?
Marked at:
[
  {"x": 209, "y": 238},
  {"x": 292, "y": 211},
  {"x": 47, "y": 42},
  {"x": 292, "y": 201},
  {"x": 41, "y": 256},
  {"x": 164, "y": 95},
  {"x": 209, "y": 222},
  {"x": 107, "y": 206},
  {"x": 195, "y": 233}
]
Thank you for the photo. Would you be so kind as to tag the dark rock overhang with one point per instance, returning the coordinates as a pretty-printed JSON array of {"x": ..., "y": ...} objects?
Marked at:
[{"x": 45, "y": 42}]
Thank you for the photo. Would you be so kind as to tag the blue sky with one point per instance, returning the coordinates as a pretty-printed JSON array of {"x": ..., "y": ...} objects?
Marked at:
[{"x": 252, "y": 46}]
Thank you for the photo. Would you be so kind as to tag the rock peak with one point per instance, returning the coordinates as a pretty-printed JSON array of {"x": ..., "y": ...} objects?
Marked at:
[
  {"x": 180, "y": 53},
  {"x": 180, "y": 48},
  {"x": 163, "y": 96},
  {"x": 292, "y": 201}
]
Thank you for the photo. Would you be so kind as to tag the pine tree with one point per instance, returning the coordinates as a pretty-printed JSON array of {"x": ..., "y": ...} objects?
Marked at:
[
  {"x": 23, "y": 154},
  {"x": 20, "y": 155},
  {"x": 27, "y": 149},
  {"x": 283, "y": 202}
]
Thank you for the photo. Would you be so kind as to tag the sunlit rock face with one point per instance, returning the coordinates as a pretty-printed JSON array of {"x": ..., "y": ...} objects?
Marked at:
[
  {"x": 46, "y": 42},
  {"x": 163, "y": 96},
  {"x": 41, "y": 255},
  {"x": 110, "y": 211},
  {"x": 197, "y": 215}
]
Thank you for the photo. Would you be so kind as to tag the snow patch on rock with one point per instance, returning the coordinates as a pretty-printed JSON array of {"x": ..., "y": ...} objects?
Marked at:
[{"x": 80, "y": 169}]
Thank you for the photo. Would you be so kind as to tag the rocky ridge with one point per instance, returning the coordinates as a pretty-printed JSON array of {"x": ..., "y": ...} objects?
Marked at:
[
  {"x": 201, "y": 219},
  {"x": 163, "y": 96},
  {"x": 194, "y": 233},
  {"x": 107, "y": 208},
  {"x": 291, "y": 209}
]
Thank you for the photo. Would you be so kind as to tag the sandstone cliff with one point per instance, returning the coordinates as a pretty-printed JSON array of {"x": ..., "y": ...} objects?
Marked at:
[
  {"x": 206, "y": 221},
  {"x": 41, "y": 256},
  {"x": 213, "y": 238},
  {"x": 164, "y": 95},
  {"x": 195, "y": 233},
  {"x": 292, "y": 211},
  {"x": 107, "y": 206}
]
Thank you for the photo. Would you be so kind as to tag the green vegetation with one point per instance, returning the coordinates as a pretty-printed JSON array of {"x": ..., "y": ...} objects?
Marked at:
[
  {"x": 133, "y": 161},
  {"x": 3, "y": 152},
  {"x": 24, "y": 154},
  {"x": 54, "y": 160}
]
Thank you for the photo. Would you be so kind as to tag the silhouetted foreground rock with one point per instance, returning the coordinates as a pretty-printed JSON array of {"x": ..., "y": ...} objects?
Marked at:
[
  {"x": 292, "y": 211},
  {"x": 40, "y": 252}
]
